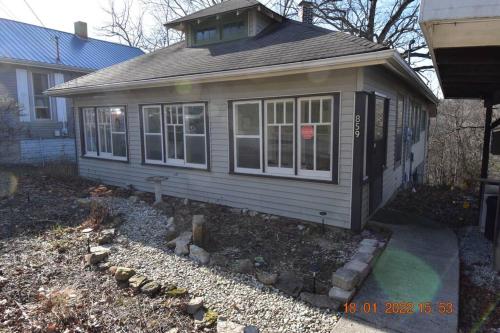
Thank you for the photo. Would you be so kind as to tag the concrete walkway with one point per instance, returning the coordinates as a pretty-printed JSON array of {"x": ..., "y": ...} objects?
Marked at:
[{"x": 420, "y": 264}]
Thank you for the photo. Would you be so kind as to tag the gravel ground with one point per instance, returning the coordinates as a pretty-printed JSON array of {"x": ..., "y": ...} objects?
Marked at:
[
  {"x": 238, "y": 298},
  {"x": 476, "y": 253}
]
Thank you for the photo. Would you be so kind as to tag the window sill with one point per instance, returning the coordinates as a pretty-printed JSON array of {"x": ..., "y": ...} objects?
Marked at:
[
  {"x": 286, "y": 177},
  {"x": 176, "y": 166},
  {"x": 111, "y": 159}
]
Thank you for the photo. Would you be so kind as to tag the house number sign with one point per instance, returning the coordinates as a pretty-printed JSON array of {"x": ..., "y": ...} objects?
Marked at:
[{"x": 357, "y": 125}]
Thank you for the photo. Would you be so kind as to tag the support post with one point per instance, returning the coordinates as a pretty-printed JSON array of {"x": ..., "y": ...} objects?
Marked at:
[
  {"x": 199, "y": 237},
  {"x": 486, "y": 140},
  {"x": 486, "y": 152}
]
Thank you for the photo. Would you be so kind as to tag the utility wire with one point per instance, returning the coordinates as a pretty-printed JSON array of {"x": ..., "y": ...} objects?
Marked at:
[
  {"x": 31, "y": 9},
  {"x": 6, "y": 10}
]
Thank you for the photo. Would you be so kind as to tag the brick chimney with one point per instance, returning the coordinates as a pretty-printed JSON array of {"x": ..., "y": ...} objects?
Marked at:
[
  {"x": 307, "y": 11},
  {"x": 81, "y": 29}
]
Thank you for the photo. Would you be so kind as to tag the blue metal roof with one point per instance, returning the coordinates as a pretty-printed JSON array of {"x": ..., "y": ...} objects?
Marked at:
[{"x": 34, "y": 44}]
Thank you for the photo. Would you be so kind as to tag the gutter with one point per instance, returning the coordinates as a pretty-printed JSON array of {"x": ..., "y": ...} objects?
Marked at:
[
  {"x": 382, "y": 57},
  {"x": 46, "y": 65}
]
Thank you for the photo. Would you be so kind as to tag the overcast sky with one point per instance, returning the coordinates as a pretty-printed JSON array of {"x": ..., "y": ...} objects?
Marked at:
[{"x": 58, "y": 14}]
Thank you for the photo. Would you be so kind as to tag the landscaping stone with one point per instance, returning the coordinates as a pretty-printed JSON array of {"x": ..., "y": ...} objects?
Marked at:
[
  {"x": 100, "y": 249},
  {"x": 176, "y": 292},
  {"x": 198, "y": 224},
  {"x": 194, "y": 305},
  {"x": 345, "y": 278},
  {"x": 173, "y": 330},
  {"x": 319, "y": 301},
  {"x": 171, "y": 233},
  {"x": 225, "y": 326},
  {"x": 253, "y": 213},
  {"x": 83, "y": 202},
  {"x": 210, "y": 318},
  {"x": 369, "y": 242},
  {"x": 235, "y": 210},
  {"x": 151, "y": 288},
  {"x": 341, "y": 295},
  {"x": 96, "y": 257},
  {"x": 137, "y": 281},
  {"x": 199, "y": 255},
  {"x": 103, "y": 266},
  {"x": 244, "y": 266},
  {"x": 359, "y": 267},
  {"x": 181, "y": 243},
  {"x": 251, "y": 329},
  {"x": 364, "y": 257},
  {"x": 290, "y": 284},
  {"x": 367, "y": 249},
  {"x": 267, "y": 278},
  {"x": 106, "y": 236},
  {"x": 123, "y": 274},
  {"x": 198, "y": 317}
]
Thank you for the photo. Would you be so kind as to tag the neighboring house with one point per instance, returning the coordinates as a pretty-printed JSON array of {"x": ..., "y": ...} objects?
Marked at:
[
  {"x": 258, "y": 111},
  {"x": 33, "y": 59}
]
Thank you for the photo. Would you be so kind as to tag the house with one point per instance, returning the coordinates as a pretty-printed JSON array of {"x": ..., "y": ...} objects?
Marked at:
[
  {"x": 464, "y": 44},
  {"x": 32, "y": 59},
  {"x": 254, "y": 110}
]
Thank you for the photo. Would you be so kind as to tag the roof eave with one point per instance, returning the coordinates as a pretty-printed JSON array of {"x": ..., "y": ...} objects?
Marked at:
[
  {"x": 383, "y": 57},
  {"x": 38, "y": 64},
  {"x": 398, "y": 64},
  {"x": 179, "y": 24},
  {"x": 356, "y": 60}
]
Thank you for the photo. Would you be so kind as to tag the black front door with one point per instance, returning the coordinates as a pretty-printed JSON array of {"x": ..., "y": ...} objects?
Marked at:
[{"x": 377, "y": 147}]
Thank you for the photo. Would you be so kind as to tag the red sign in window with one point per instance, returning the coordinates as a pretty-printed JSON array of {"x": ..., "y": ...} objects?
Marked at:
[{"x": 307, "y": 132}]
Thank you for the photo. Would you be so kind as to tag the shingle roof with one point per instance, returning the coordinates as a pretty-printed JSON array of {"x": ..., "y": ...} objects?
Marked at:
[
  {"x": 281, "y": 43},
  {"x": 223, "y": 7},
  {"x": 30, "y": 43}
]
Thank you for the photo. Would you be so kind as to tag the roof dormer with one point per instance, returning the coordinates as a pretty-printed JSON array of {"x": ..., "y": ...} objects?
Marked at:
[{"x": 229, "y": 20}]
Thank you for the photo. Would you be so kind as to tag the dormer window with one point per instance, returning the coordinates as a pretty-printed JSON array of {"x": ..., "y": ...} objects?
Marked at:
[
  {"x": 233, "y": 30},
  {"x": 206, "y": 35}
]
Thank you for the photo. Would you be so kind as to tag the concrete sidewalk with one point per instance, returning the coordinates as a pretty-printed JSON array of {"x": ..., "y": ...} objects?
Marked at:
[{"x": 420, "y": 264}]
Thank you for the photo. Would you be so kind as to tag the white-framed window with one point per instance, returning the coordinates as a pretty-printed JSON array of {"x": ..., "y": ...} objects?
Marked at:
[
  {"x": 247, "y": 125},
  {"x": 153, "y": 134},
  {"x": 89, "y": 131},
  {"x": 41, "y": 102},
  {"x": 286, "y": 137},
  {"x": 181, "y": 141},
  {"x": 315, "y": 142},
  {"x": 105, "y": 132},
  {"x": 279, "y": 133}
]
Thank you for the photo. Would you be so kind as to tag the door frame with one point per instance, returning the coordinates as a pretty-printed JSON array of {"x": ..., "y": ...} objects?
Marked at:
[{"x": 376, "y": 171}]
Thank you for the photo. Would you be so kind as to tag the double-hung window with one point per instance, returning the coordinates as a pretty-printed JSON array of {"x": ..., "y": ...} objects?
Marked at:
[
  {"x": 280, "y": 129},
  {"x": 175, "y": 134},
  {"x": 291, "y": 137},
  {"x": 153, "y": 134},
  {"x": 104, "y": 132},
  {"x": 248, "y": 136},
  {"x": 42, "y": 102},
  {"x": 315, "y": 144}
]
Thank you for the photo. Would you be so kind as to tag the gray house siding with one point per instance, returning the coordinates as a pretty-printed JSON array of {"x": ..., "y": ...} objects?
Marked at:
[
  {"x": 35, "y": 140},
  {"x": 291, "y": 198},
  {"x": 382, "y": 81}
]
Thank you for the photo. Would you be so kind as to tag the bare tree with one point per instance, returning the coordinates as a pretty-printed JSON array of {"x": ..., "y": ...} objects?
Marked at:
[
  {"x": 128, "y": 29},
  {"x": 389, "y": 22},
  {"x": 455, "y": 143}
]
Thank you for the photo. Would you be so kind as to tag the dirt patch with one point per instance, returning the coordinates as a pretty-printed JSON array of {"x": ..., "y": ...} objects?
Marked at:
[{"x": 274, "y": 244}]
